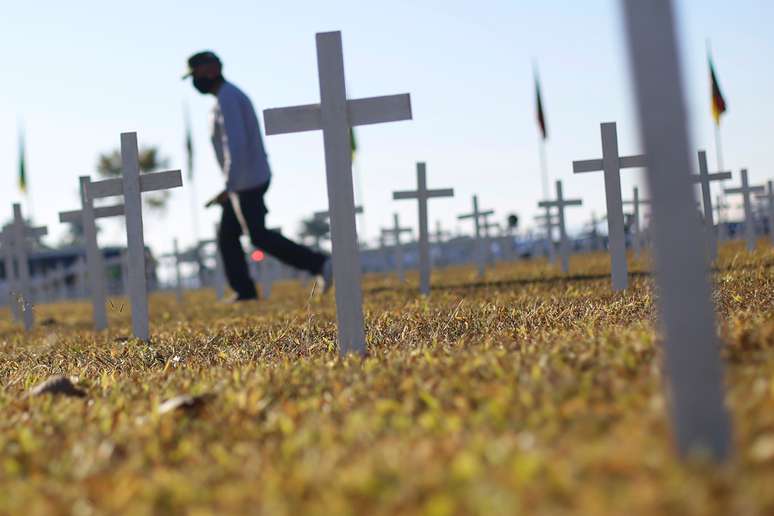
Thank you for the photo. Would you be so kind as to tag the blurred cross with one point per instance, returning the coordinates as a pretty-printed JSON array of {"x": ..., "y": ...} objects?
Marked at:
[
  {"x": 704, "y": 178},
  {"x": 395, "y": 232},
  {"x": 768, "y": 197},
  {"x": 21, "y": 232},
  {"x": 86, "y": 218},
  {"x": 637, "y": 235},
  {"x": 560, "y": 204},
  {"x": 477, "y": 217},
  {"x": 749, "y": 221}
]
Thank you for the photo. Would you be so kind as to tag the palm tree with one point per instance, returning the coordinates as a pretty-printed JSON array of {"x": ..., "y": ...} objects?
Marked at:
[{"x": 109, "y": 165}]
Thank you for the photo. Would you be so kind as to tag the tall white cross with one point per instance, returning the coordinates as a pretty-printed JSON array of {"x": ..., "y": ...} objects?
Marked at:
[
  {"x": 768, "y": 197},
  {"x": 21, "y": 231},
  {"x": 395, "y": 232},
  {"x": 692, "y": 352},
  {"x": 477, "y": 215},
  {"x": 749, "y": 221},
  {"x": 560, "y": 204},
  {"x": 335, "y": 116},
  {"x": 636, "y": 202},
  {"x": 130, "y": 185},
  {"x": 611, "y": 164},
  {"x": 86, "y": 217},
  {"x": 704, "y": 178},
  {"x": 422, "y": 194}
]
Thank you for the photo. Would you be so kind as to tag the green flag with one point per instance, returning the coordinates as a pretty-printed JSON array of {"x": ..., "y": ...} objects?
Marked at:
[
  {"x": 22, "y": 165},
  {"x": 352, "y": 143}
]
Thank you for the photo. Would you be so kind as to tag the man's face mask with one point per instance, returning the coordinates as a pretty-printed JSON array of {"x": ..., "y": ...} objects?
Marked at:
[{"x": 204, "y": 84}]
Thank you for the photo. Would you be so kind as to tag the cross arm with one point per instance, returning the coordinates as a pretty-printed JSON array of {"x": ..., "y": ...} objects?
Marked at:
[
  {"x": 148, "y": 183},
  {"x": 99, "y": 213},
  {"x": 593, "y": 165},
  {"x": 294, "y": 119},
  {"x": 377, "y": 110},
  {"x": 717, "y": 176}
]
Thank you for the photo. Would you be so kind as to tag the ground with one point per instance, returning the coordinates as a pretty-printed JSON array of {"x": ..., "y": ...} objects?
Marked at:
[{"x": 529, "y": 393}]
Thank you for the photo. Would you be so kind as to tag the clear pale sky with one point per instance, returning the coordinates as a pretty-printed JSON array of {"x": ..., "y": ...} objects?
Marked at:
[{"x": 80, "y": 73}]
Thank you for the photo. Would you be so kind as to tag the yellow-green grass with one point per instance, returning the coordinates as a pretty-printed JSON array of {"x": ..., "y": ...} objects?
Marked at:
[{"x": 529, "y": 393}]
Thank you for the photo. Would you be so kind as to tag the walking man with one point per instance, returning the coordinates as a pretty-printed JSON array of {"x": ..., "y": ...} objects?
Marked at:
[{"x": 236, "y": 137}]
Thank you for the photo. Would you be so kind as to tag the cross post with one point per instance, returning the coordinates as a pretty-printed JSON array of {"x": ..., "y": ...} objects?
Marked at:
[
  {"x": 477, "y": 215},
  {"x": 636, "y": 202},
  {"x": 86, "y": 217},
  {"x": 704, "y": 178},
  {"x": 20, "y": 233},
  {"x": 692, "y": 352},
  {"x": 335, "y": 115},
  {"x": 422, "y": 194},
  {"x": 611, "y": 164},
  {"x": 749, "y": 222},
  {"x": 560, "y": 204},
  {"x": 131, "y": 185},
  {"x": 768, "y": 197},
  {"x": 395, "y": 232}
]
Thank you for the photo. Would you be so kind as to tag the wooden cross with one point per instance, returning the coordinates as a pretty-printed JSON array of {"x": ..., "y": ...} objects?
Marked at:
[
  {"x": 477, "y": 215},
  {"x": 768, "y": 197},
  {"x": 21, "y": 232},
  {"x": 636, "y": 202},
  {"x": 560, "y": 204},
  {"x": 131, "y": 185},
  {"x": 86, "y": 217},
  {"x": 692, "y": 352},
  {"x": 335, "y": 115},
  {"x": 749, "y": 222},
  {"x": 422, "y": 194},
  {"x": 395, "y": 231},
  {"x": 611, "y": 164},
  {"x": 704, "y": 178}
]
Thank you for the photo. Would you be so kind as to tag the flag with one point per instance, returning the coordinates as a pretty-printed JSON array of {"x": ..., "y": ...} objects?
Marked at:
[
  {"x": 22, "y": 165},
  {"x": 352, "y": 143},
  {"x": 189, "y": 144},
  {"x": 541, "y": 117},
  {"x": 718, "y": 102}
]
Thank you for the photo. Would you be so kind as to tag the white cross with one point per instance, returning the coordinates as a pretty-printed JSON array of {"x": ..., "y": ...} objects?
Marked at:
[
  {"x": 21, "y": 231},
  {"x": 130, "y": 185},
  {"x": 422, "y": 194},
  {"x": 637, "y": 236},
  {"x": 548, "y": 222},
  {"x": 768, "y": 197},
  {"x": 219, "y": 279},
  {"x": 395, "y": 232},
  {"x": 336, "y": 115},
  {"x": 749, "y": 222},
  {"x": 611, "y": 164},
  {"x": 561, "y": 203},
  {"x": 175, "y": 255},
  {"x": 692, "y": 351},
  {"x": 704, "y": 178},
  {"x": 10, "y": 274},
  {"x": 477, "y": 215},
  {"x": 86, "y": 217}
]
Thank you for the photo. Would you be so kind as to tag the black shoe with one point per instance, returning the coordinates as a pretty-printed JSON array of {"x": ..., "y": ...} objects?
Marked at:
[{"x": 236, "y": 298}]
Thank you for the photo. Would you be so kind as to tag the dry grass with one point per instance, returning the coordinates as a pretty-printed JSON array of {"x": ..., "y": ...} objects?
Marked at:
[{"x": 528, "y": 394}]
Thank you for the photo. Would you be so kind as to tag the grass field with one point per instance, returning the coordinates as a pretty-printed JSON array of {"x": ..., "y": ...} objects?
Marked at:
[{"x": 528, "y": 394}]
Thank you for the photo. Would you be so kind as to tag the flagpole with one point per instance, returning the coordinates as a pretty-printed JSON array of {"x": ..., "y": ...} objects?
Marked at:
[
  {"x": 543, "y": 165},
  {"x": 192, "y": 184}
]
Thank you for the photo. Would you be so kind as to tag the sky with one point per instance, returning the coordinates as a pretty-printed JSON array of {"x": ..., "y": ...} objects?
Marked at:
[{"x": 79, "y": 73}]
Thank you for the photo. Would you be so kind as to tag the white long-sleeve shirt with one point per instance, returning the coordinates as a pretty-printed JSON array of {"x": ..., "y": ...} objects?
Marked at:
[{"x": 236, "y": 137}]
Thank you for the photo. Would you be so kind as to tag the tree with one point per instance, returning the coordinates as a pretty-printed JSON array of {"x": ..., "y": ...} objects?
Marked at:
[{"x": 109, "y": 165}]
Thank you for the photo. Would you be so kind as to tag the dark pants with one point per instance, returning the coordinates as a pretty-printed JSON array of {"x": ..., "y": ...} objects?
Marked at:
[{"x": 254, "y": 212}]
